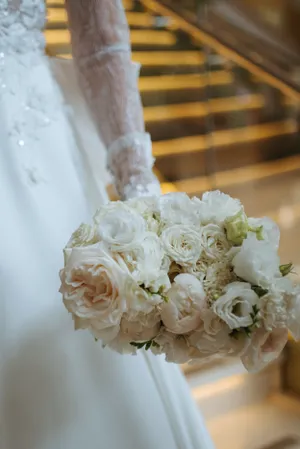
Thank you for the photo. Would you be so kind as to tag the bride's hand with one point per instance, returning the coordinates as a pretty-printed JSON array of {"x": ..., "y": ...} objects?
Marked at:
[{"x": 130, "y": 161}]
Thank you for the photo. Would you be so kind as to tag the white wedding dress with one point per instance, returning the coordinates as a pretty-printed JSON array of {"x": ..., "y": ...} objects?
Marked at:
[{"x": 58, "y": 388}]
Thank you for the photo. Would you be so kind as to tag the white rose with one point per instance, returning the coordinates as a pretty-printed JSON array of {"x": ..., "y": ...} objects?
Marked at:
[
  {"x": 174, "y": 347},
  {"x": 214, "y": 242},
  {"x": 264, "y": 348},
  {"x": 186, "y": 301},
  {"x": 148, "y": 207},
  {"x": 182, "y": 243},
  {"x": 92, "y": 286},
  {"x": 85, "y": 235},
  {"x": 146, "y": 260},
  {"x": 144, "y": 205},
  {"x": 235, "y": 306},
  {"x": 120, "y": 227},
  {"x": 138, "y": 299},
  {"x": 177, "y": 208},
  {"x": 215, "y": 207},
  {"x": 257, "y": 262},
  {"x": 266, "y": 229}
]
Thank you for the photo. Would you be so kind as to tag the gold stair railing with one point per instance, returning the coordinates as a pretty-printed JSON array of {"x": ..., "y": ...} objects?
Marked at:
[{"x": 195, "y": 29}]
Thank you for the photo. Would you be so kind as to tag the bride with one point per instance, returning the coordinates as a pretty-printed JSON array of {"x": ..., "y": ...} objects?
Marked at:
[{"x": 59, "y": 389}]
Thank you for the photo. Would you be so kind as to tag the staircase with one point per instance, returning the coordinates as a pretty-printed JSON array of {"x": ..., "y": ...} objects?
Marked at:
[
  {"x": 227, "y": 129},
  {"x": 255, "y": 127}
]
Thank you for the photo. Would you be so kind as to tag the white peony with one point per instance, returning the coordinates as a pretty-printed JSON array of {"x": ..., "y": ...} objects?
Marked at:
[
  {"x": 120, "y": 227},
  {"x": 186, "y": 301},
  {"x": 92, "y": 287},
  {"x": 215, "y": 207},
  {"x": 174, "y": 347},
  {"x": 235, "y": 306},
  {"x": 266, "y": 229},
  {"x": 85, "y": 235},
  {"x": 264, "y": 348},
  {"x": 177, "y": 208},
  {"x": 214, "y": 242},
  {"x": 182, "y": 244},
  {"x": 257, "y": 262}
]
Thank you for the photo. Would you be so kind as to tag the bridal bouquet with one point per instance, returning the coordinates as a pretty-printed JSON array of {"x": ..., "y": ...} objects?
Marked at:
[{"x": 183, "y": 277}]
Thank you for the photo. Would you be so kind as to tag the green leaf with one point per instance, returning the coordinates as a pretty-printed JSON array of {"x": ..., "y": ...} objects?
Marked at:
[
  {"x": 259, "y": 290},
  {"x": 148, "y": 345}
]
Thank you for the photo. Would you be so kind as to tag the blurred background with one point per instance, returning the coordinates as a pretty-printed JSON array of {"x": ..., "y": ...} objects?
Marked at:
[{"x": 220, "y": 84}]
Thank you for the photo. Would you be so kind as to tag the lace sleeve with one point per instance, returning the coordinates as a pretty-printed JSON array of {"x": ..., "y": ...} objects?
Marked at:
[{"x": 109, "y": 79}]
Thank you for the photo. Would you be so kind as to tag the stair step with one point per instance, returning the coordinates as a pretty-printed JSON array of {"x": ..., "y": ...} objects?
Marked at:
[
  {"x": 57, "y": 16},
  {"x": 60, "y": 39},
  {"x": 239, "y": 176},
  {"x": 223, "y": 138},
  {"x": 184, "y": 82},
  {"x": 184, "y": 88},
  {"x": 161, "y": 58},
  {"x": 271, "y": 424},
  {"x": 201, "y": 109}
]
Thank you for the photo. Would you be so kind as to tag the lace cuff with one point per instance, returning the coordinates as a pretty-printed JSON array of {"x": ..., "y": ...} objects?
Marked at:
[{"x": 130, "y": 161}]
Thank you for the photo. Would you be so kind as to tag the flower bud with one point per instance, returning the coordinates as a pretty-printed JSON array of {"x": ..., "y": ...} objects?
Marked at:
[{"x": 236, "y": 228}]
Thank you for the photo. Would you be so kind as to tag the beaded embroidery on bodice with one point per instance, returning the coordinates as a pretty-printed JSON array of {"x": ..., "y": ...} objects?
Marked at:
[{"x": 21, "y": 25}]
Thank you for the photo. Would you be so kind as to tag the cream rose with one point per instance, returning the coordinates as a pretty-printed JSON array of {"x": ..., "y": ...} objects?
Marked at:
[
  {"x": 235, "y": 306},
  {"x": 143, "y": 328},
  {"x": 182, "y": 243},
  {"x": 186, "y": 302},
  {"x": 292, "y": 300},
  {"x": 174, "y": 347},
  {"x": 92, "y": 284},
  {"x": 85, "y": 235},
  {"x": 214, "y": 242},
  {"x": 219, "y": 343},
  {"x": 120, "y": 227},
  {"x": 264, "y": 348}
]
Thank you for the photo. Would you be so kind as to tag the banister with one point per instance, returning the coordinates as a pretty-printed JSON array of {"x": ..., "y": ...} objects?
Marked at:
[{"x": 162, "y": 7}]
